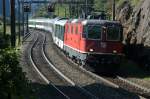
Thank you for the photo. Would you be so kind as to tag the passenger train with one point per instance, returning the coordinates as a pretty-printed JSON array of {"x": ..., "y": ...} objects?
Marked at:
[{"x": 92, "y": 42}]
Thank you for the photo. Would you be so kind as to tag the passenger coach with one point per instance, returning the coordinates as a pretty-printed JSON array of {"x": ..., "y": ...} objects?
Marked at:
[{"x": 58, "y": 33}]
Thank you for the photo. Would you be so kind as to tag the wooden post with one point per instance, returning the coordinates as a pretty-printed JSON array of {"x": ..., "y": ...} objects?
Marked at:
[
  {"x": 58, "y": 9},
  {"x": 4, "y": 18},
  {"x": 19, "y": 32},
  {"x": 23, "y": 18},
  {"x": 13, "y": 30},
  {"x": 113, "y": 11},
  {"x": 27, "y": 31},
  {"x": 65, "y": 12}
]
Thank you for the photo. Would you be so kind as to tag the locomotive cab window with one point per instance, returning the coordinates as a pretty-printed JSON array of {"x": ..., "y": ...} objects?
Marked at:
[
  {"x": 113, "y": 33},
  {"x": 84, "y": 32},
  {"x": 94, "y": 32}
]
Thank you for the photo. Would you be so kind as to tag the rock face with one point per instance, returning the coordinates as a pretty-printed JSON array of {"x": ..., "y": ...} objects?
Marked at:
[{"x": 136, "y": 22}]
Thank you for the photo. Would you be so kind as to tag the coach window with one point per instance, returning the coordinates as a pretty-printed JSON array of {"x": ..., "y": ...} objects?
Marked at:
[
  {"x": 57, "y": 29},
  {"x": 39, "y": 23},
  {"x": 46, "y": 24},
  {"x": 59, "y": 35},
  {"x": 113, "y": 33},
  {"x": 61, "y": 32},
  {"x": 94, "y": 32}
]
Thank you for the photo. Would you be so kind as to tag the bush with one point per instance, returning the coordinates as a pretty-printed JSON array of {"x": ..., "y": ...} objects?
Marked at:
[
  {"x": 4, "y": 41},
  {"x": 135, "y": 2},
  {"x": 13, "y": 83}
]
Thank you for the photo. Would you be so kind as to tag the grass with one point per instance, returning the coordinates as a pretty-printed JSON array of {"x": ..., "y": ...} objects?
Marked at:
[
  {"x": 132, "y": 69},
  {"x": 1, "y": 30},
  {"x": 7, "y": 29},
  {"x": 135, "y": 2},
  {"x": 1, "y": 27},
  {"x": 8, "y": 32},
  {"x": 147, "y": 78}
]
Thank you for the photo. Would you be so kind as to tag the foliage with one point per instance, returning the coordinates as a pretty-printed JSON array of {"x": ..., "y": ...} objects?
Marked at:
[
  {"x": 42, "y": 12},
  {"x": 72, "y": 10},
  {"x": 13, "y": 82},
  {"x": 75, "y": 10},
  {"x": 60, "y": 10},
  {"x": 4, "y": 41},
  {"x": 100, "y": 4},
  {"x": 103, "y": 5},
  {"x": 106, "y": 5},
  {"x": 1, "y": 27}
]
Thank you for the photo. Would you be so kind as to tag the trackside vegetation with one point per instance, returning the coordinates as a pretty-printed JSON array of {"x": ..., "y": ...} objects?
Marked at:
[{"x": 13, "y": 82}]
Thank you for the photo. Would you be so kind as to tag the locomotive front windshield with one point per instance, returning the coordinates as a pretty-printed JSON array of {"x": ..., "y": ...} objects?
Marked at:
[
  {"x": 113, "y": 33},
  {"x": 94, "y": 32}
]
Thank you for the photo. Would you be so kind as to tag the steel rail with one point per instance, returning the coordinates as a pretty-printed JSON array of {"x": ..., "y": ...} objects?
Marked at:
[
  {"x": 114, "y": 84},
  {"x": 134, "y": 84},
  {"x": 93, "y": 75},
  {"x": 110, "y": 83},
  {"x": 66, "y": 78},
  {"x": 38, "y": 71}
]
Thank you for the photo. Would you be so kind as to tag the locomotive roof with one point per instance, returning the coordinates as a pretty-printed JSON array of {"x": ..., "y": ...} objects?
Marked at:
[
  {"x": 61, "y": 22},
  {"x": 98, "y": 22},
  {"x": 75, "y": 20}
]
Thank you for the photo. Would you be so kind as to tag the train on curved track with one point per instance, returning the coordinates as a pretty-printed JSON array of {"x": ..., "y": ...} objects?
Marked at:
[{"x": 92, "y": 42}]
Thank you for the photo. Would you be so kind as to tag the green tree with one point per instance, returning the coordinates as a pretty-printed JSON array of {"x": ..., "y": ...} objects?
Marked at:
[
  {"x": 13, "y": 82},
  {"x": 100, "y": 5},
  {"x": 42, "y": 12}
]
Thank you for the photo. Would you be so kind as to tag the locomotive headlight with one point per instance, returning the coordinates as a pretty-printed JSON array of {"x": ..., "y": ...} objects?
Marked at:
[
  {"x": 91, "y": 50},
  {"x": 114, "y": 51}
]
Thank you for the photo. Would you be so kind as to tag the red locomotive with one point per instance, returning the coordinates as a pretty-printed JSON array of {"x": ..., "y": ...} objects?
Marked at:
[{"x": 94, "y": 42}]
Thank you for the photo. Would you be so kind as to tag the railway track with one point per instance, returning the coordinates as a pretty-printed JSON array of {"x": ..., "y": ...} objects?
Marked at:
[
  {"x": 93, "y": 83},
  {"x": 53, "y": 76},
  {"x": 79, "y": 83},
  {"x": 133, "y": 87},
  {"x": 128, "y": 85},
  {"x": 120, "y": 83}
]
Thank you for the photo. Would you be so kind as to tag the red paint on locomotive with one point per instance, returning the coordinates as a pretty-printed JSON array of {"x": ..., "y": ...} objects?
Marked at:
[{"x": 74, "y": 38}]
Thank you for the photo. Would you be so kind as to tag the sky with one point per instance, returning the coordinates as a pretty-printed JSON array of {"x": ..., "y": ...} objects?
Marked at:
[
  {"x": 7, "y": 7},
  {"x": 34, "y": 6}
]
